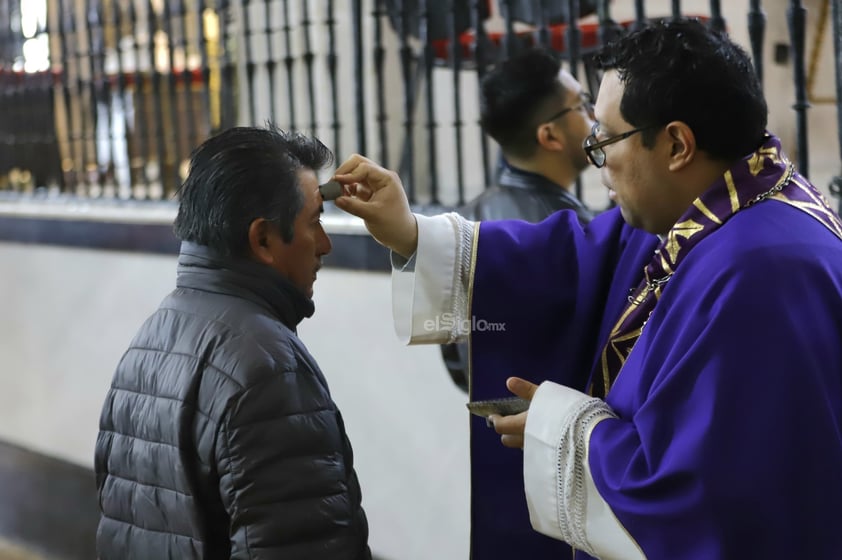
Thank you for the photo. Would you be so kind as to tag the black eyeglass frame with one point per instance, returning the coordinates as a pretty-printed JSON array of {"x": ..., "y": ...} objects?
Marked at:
[
  {"x": 585, "y": 101},
  {"x": 593, "y": 149}
]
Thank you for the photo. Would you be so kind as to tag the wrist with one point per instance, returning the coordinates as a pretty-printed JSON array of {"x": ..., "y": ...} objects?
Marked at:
[{"x": 407, "y": 248}]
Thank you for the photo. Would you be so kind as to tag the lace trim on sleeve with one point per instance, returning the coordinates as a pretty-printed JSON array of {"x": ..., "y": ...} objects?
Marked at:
[
  {"x": 572, "y": 457},
  {"x": 464, "y": 231}
]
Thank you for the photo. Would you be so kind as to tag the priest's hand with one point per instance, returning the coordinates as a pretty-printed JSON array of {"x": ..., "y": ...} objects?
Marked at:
[
  {"x": 376, "y": 195},
  {"x": 511, "y": 428}
]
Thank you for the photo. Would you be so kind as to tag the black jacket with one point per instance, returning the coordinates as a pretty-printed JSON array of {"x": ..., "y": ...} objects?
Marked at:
[
  {"x": 218, "y": 437},
  {"x": 522, "y": 195},
  {"x": 518, "y": 195}
]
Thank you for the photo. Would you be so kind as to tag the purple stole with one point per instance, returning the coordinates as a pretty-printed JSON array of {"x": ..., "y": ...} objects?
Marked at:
[{"x": 764, "y": 174}]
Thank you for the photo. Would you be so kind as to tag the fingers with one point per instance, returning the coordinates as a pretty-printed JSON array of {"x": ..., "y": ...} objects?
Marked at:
[
  {"x": 353, "y": 206},
  {"x": 356, "y": 191},
  {"x": 521, "y": 387},
  {"x": 377, "y": 196},
  {"x": 360, "y": 191},
  {"x": 356, "y": 195},
  {"x": 514, "y": 442},
  {"x": 361, "y": 178},
  {"x": 510, "y": 428},
  {"x": 352, "y": 162},
  {"x": 358, "y": 169}
]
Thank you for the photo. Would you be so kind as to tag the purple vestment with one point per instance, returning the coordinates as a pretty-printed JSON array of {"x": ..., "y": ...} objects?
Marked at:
[{"x": 729, "y": 437}]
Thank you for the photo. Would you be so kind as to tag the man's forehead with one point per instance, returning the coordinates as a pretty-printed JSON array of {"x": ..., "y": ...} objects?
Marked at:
[
  {"x": 570, "y": 84},
  {"x": 607, "y": 106},
  {"x": 611, "y": 85},
  {"x": 307, "y": 175},
  {"x": 309, "y": 185},
  {"x": 308, "y": 181}
]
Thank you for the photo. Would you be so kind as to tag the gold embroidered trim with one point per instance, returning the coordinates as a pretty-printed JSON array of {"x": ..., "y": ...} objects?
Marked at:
[{"x": 471, "y": 275}]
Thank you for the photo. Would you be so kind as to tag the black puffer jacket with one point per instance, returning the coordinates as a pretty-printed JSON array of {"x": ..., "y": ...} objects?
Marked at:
[{"x": 218, "y": 437}]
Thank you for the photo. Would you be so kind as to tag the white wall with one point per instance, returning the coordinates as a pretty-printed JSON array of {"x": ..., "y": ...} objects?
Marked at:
[{"x": 68, "y": 314}]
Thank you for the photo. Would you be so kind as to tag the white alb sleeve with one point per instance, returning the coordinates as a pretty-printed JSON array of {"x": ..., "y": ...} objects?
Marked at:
[
  {"x": 560, "y": 493},
  {"x": 430, "y": 289}
]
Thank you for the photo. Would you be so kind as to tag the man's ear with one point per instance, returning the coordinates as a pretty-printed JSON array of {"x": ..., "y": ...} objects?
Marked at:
[
  {"x": 260, "y": 240},
  {"x": 549, "y": 138},
  {"x": 682, "y": 145}
]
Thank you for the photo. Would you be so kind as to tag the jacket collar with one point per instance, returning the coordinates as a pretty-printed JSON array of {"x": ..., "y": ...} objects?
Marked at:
[
  {"x": 514, "y": 177},
  {"x": 202, "y": 268}
]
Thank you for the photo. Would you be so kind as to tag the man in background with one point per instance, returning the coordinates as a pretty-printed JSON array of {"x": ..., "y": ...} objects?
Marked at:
[
  {"x": 539, "y": 116},
  {"x": 219, "y": 437}
]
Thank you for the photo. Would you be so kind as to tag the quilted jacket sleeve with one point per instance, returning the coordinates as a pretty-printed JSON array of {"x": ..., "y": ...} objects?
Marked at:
[{"x": 283, "y": 478}]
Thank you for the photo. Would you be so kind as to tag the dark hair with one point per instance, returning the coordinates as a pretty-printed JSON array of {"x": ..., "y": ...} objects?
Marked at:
[
  {"x": 242, "y": 174},
  {"x": 515, "y": 95},
  {"x": 682, "y": 70}
]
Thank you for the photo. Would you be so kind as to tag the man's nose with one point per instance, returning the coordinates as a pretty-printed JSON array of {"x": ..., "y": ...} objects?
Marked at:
[{"x": 324, "y": 246}]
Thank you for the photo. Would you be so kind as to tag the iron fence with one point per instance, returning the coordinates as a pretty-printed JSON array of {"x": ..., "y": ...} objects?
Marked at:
[{"x": 106, "y": 98}]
